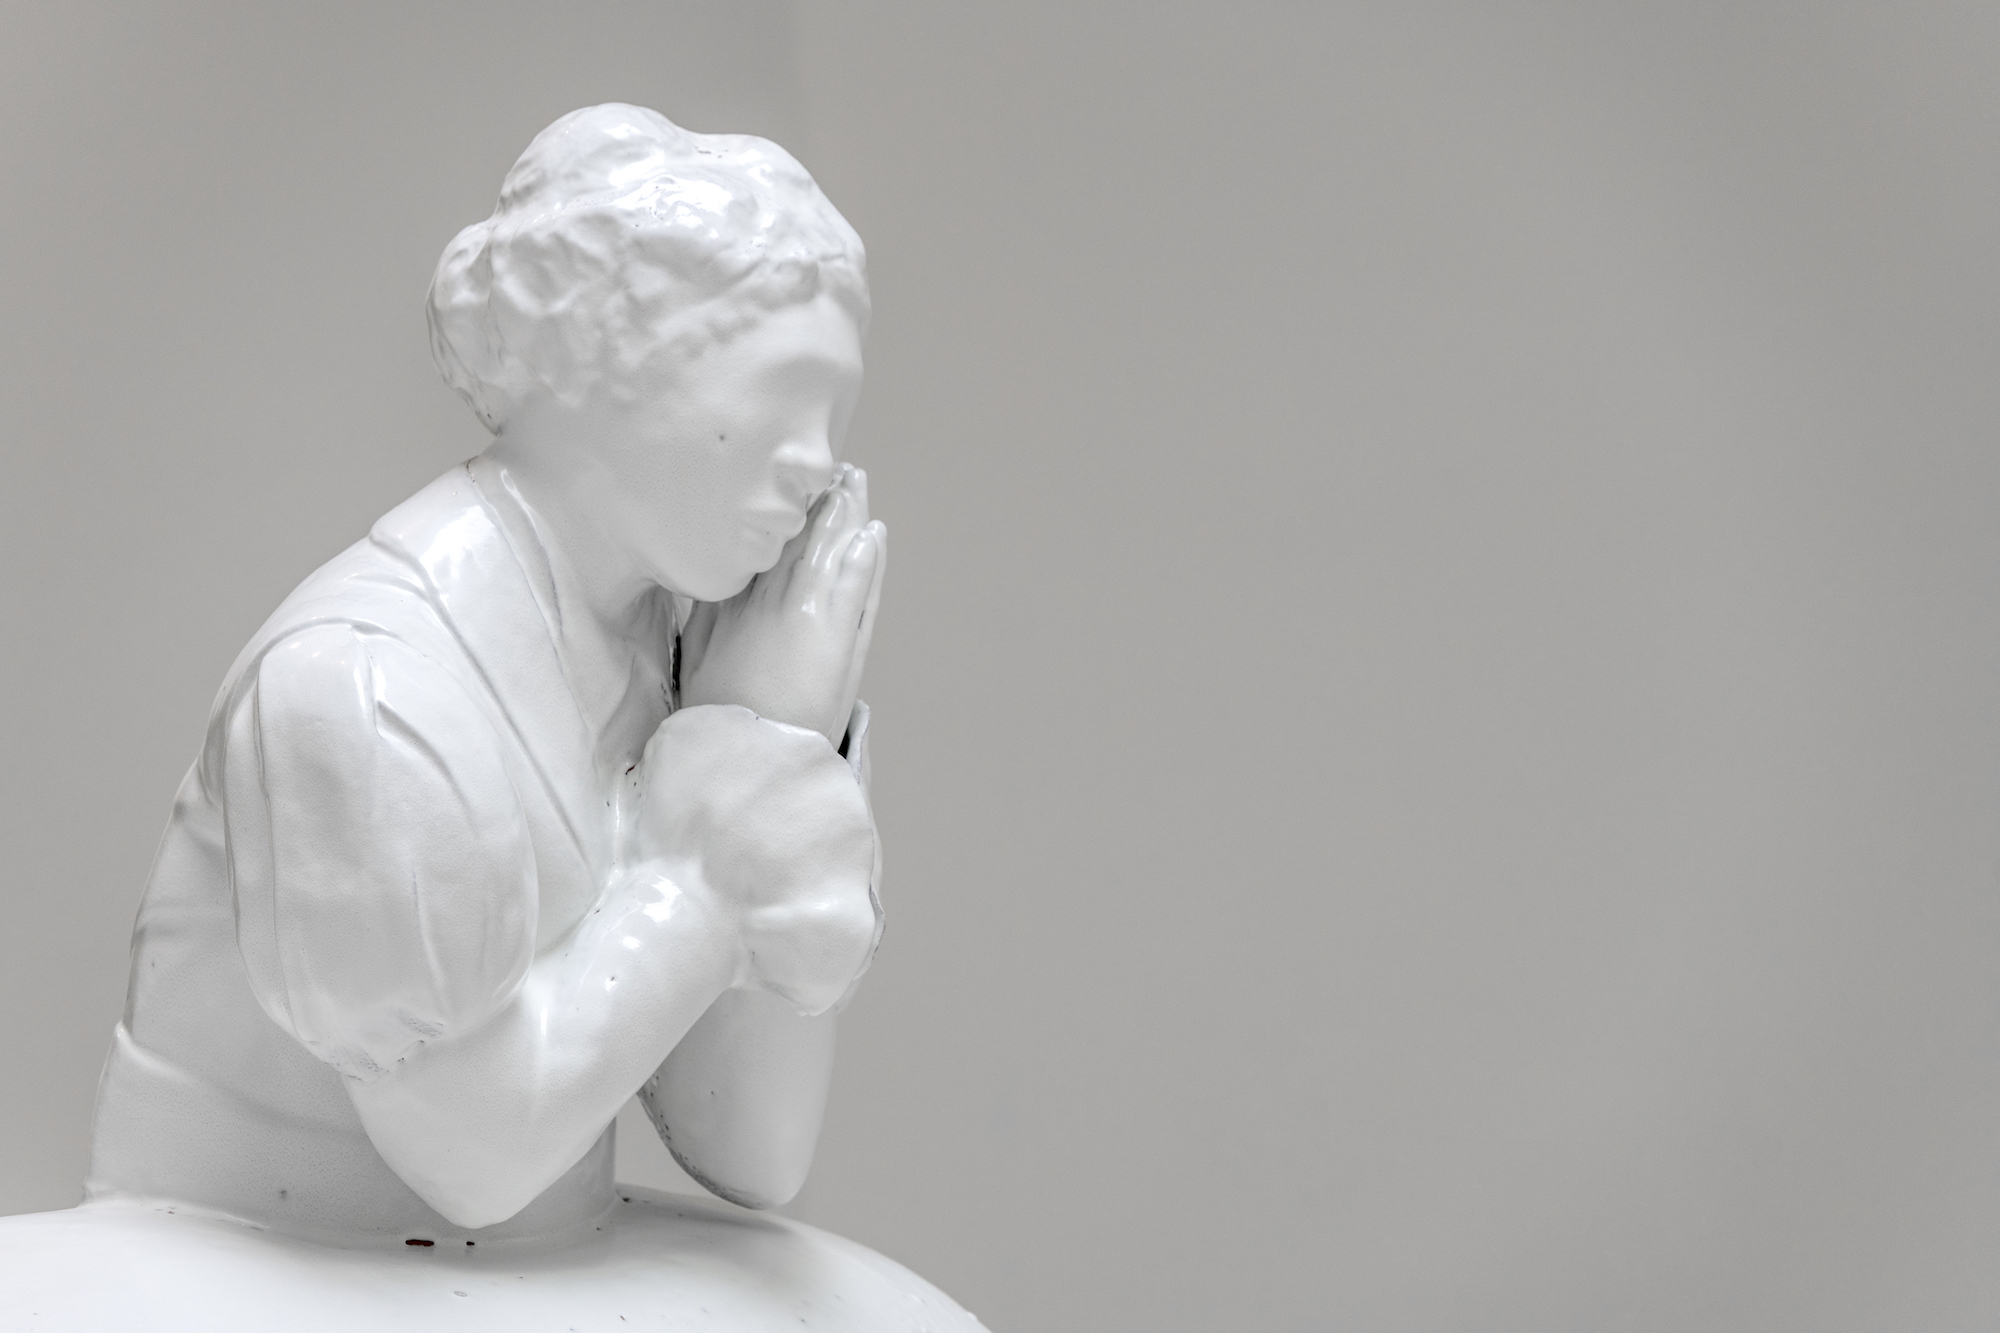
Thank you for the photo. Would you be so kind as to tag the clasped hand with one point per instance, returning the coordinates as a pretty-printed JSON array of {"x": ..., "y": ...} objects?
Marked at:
[
  {"x": 791, "y": 645},
  {"x": 766, "y": 818}
]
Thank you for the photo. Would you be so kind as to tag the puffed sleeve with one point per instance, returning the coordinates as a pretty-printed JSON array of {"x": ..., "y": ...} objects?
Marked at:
[{"x": 381, "y": 864}]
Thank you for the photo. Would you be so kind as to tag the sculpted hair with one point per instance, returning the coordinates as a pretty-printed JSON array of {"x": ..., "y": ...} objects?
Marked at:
[{"x": 620, "y": 238}]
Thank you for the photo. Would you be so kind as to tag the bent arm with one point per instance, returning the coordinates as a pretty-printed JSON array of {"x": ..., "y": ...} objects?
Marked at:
[
  {"x": 740, "y": 1100},
  {"x": 386, "y": 905},
  {"x": 755, "y": 859},
  {"x": 482, "y": 1124}
]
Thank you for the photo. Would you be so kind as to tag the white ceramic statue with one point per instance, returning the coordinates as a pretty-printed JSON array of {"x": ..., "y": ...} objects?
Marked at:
[{"x": 551, "y": 790}]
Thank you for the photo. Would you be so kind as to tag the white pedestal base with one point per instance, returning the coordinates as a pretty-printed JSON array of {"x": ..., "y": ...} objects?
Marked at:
[{"x": 657, "y": 1261}]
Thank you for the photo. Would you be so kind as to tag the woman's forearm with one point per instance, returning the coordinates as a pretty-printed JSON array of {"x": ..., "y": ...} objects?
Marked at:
[
  {"x": 480, "y": 1125},
  {"x": 759, "y": 855},
  {"x": 740, "y": 1100}
]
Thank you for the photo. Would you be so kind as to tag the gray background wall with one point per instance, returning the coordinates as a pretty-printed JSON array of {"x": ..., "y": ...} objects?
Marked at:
[{"x": 1439, "y": 751}]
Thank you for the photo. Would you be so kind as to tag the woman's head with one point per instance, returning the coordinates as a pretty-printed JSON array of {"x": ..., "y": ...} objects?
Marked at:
[
  {"x": 665, "y": 328},
  {"x": 622, "y": 242}
]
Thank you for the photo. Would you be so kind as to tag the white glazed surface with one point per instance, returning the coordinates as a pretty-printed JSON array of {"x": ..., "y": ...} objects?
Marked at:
[
  {"x": 658, "y": 1261},
  {"x": 551, "y": 790}
]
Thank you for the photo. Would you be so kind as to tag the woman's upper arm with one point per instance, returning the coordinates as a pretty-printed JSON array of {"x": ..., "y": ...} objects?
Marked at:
[{"x": 382, "y": 869}]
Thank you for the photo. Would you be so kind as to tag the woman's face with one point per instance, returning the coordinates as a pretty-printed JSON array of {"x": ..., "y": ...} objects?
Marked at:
[{"x": 711, "y": 470}]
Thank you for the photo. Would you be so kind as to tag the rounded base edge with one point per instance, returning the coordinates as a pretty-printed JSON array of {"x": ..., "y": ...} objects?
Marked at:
[{"x": 656, "y": 1260}]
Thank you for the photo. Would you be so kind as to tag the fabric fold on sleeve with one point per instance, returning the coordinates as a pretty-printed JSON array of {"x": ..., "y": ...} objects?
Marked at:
[{"x": 382, "y": 868}]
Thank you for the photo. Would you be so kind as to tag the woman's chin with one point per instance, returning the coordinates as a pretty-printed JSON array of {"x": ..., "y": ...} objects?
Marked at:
[
  {"x": 722, "y": 585},
  {"x": 720, "y": 582}
]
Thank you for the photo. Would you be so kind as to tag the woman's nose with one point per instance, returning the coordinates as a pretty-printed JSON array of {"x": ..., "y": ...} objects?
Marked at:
[{"x": 806, "y": 467}]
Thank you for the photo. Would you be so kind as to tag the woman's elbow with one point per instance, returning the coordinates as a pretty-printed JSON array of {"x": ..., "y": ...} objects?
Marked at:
[{"x": 768, "y": 1179}]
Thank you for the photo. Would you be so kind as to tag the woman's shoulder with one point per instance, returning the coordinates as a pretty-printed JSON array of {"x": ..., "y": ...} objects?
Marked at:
[{"x": 396, "y": 583}]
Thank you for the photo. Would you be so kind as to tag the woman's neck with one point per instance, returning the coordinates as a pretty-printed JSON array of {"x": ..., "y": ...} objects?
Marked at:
[{"x": 613, "y": 631}]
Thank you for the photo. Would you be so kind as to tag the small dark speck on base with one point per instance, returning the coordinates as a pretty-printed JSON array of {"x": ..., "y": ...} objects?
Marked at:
[{"x": 468, "y": 1245}]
